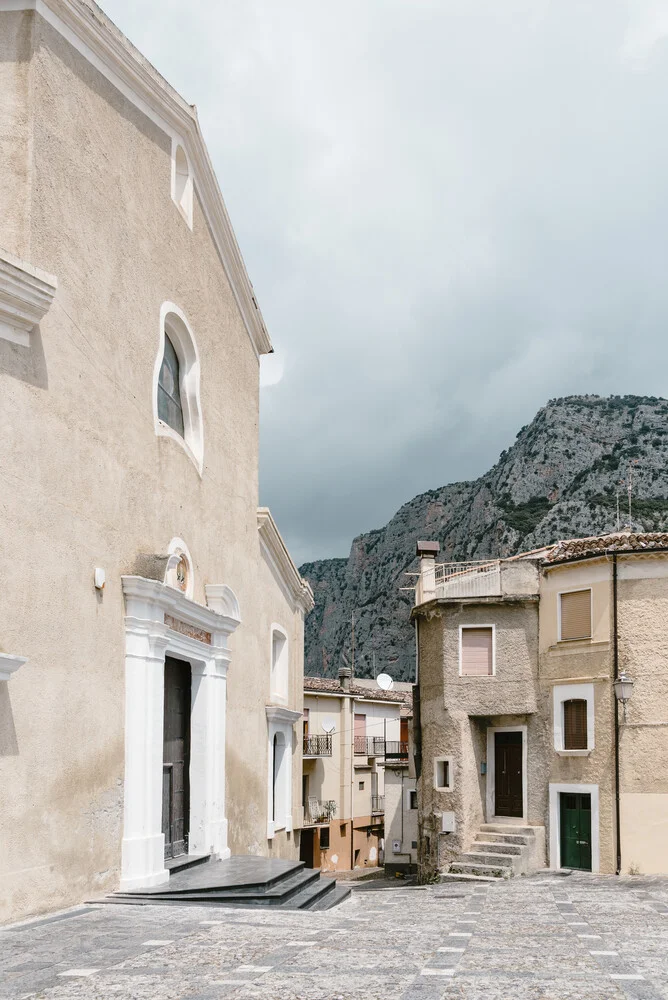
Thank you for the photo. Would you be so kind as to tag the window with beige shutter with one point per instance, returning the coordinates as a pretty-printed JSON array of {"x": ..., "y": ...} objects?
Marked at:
[
  {"x": 575, "y": 724},
  {"x": 477, "y": 652},
  {"x": 575, "y": 615}
]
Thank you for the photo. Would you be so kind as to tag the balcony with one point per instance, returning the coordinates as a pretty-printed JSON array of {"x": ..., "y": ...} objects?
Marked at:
[
  {"x": 377, "y": 804},
  {"x": 468, "y": 579},
  {"x": 316, "y": 812},
  {"x": 376, "y": 746},
  {"x": 318, "y": 746}
]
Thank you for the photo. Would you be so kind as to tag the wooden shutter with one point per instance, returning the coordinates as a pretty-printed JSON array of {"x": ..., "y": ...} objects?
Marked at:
[
  {"x": 576, "y": 615},
  {"x": 575, "y": 724},
  {"x": 476, "y": 651}
]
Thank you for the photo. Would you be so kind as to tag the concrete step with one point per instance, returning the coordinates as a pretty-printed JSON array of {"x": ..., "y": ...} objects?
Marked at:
[
  {"x": 461, "y": 877},
  {"x": 273, "y": 895},
  {"x": 470, "y": 868},
  {"x": 310, "y": 894},
  {"x": 509, "y": 828},
  {"x": 474, "y": 857},
  {"x": 184, "y": 861},
  {"x": 331, "y": 899},
  {"x": 497, "y": 847},
  {"x": 490, "y": 837}
]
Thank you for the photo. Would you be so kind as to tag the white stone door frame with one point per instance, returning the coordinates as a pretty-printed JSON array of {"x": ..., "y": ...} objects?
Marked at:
[
  {"x": 161, "y": 621},
  {"x": 280, "y": 720},
  {"x": 491, "y": 775},
  {"x": 555, "y": 789}
]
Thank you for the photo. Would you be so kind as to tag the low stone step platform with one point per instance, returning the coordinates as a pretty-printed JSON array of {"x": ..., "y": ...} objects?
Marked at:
[
  {"x": 238, "y": 881},
  {"x": 461, "y": 877}
]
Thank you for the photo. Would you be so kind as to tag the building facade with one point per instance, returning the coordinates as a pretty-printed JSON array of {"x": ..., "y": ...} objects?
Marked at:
[
  {"x": 351, "y": 733},
  {"x": 522, "y": 663},
  {"x": 152, "y": 620}
]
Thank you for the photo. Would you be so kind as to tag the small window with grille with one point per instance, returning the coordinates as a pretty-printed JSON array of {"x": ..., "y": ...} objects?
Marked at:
[
  {"x": 575, "y": 724},
  {"x": 324, "y": 838},
  {"x": 575, "y": 615},
  {"x": 170, "y": 409},
  {"x": 412, "y": 798}
]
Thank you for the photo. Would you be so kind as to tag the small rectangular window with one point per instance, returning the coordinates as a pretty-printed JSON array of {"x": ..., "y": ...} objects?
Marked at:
[
  {"x": 442, "y": 773},
  {"x": 575, "y": 615},
  {"x": 575, "y": 724},
  {"x": 324, "y": 838},
  {"x": 477, "y": 651},
  {"x": 361, "y": 786},
  {"x": 412, "y": 798}
]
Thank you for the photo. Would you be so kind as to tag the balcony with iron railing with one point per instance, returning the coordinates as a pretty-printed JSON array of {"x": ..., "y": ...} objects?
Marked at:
[
  {"x": 318, "y": 746},
  {"x": 316, "y": 812},
  {"x": 468, "y": 579},
  {"x": 376, "y": 746},
  {"x": 377, "y": 804}
]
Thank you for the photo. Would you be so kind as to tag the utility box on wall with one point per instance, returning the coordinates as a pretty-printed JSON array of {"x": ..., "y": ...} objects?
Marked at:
[
  {"x": 448, "y": 823},
  {"x": 396, "y": 847}
]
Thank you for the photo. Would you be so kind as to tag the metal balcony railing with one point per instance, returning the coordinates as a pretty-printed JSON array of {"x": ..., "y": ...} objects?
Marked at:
[
  {"x": 318, "y": 746},
  {"x": 377, "y": 804},
  {"x": 396, "y": 750},
  {"x": 468, "y": 579},
  {"x": 370, "y": 746},
  {"x": 316, "y": 811}
]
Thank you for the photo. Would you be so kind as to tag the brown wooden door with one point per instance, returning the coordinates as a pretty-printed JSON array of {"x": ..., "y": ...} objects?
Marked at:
[
  {"x": 508, "y": 774},
  {"x": 176, "y": 758}
]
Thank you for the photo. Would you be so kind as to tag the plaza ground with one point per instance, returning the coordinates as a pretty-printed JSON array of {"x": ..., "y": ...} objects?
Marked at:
[{"x": 548, "y": 937}]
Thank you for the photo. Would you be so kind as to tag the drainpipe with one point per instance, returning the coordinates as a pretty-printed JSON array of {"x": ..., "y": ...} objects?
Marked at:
[{"x": 615, "y": 655}]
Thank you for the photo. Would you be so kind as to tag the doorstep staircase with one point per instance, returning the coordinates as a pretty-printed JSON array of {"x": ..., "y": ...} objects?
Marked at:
[
  {"x": 240, "y": 882},
  {"x": 499, "y": 851}
]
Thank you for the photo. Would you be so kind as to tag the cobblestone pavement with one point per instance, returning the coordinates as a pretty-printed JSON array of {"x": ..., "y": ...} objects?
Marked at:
[{"x": 547, "y": 937}]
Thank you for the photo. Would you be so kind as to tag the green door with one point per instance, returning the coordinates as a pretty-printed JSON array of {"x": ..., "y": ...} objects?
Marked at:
[{"x": 575, "y": 812}]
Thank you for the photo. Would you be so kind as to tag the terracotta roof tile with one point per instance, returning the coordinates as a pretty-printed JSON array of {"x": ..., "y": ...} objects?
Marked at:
[
  {"x": 618, "y": 541},
  {"x": 331, "y": 686}
]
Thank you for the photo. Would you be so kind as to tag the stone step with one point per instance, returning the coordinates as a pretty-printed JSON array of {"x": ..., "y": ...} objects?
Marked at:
[
  {"x": 185, "y": 861},
  {"x": 509, "y": 828},
  {"x": 461, "y": 877},
  {"x": 490, "y": 837},
  {"x": 275, "y": 894},
  {"x": 497, "y": 847},
  {"x": 310, "y": 894},
  {"x": 474, "y": 857},
  {"x": 470, "y": 868}
]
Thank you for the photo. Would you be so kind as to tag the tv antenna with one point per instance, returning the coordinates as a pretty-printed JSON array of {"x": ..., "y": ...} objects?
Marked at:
[{"x": 384, "y": 682}]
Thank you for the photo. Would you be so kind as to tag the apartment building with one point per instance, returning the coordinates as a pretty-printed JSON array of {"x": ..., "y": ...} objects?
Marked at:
[
  {"x": 543, "y": 694},
  {"x": 352, "y": 732}
]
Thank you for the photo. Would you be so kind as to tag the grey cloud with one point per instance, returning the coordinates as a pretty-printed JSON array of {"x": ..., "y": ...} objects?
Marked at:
[{"x": 451, "y": 212}]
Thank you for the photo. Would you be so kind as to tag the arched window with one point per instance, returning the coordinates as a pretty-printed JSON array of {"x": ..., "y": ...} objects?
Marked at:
[
  {"x": 278, "y": 787},
  {"x": 176, "y": 395},
  {"x": 169, "y": 389}
]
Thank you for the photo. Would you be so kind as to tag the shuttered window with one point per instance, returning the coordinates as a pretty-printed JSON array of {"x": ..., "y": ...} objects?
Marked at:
[
  {"x": 575, "y": 724},
  {"x": 477, "y": 651},
  {"x": 576, "y": 615}
]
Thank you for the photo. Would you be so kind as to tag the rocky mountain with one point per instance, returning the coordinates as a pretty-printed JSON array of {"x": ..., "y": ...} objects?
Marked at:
[{"x": 559, "y": 479}]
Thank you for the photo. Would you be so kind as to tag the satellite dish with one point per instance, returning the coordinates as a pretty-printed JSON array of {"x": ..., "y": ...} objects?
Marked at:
[
  {"x": 385, "y": 682},
  {"x": 328, "y": 724}
]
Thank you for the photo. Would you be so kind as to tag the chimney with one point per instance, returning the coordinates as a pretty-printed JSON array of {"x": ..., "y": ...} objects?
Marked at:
[
  {"x": 426, "y": 586},
  {"x": 345, "y": 673}
]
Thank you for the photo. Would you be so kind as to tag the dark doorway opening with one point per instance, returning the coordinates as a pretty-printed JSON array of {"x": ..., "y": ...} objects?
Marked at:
[
  {"x": 176, "y": 758},
  {"x": 508, "y": 796},
  {"x": 575, "y": 821},
  {"x": 306, "y": 847}
]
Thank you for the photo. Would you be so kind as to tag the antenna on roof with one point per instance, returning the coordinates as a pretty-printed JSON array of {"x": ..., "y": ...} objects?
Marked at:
[{"x": 384, "y": 682}]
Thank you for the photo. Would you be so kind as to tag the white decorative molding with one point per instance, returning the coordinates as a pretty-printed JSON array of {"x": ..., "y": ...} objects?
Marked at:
[
  {"x": 162, "y": 621},
  {"x": 26, "y": 293},
  {"x": 280, "y": 562},
  {"x": 284, "y": 716},
  {"x": 101, "y": 43},
  {"x": 222, "y": 599},
  {"x": 10, "y": 664},
  {"x": 173, "y": 323}
]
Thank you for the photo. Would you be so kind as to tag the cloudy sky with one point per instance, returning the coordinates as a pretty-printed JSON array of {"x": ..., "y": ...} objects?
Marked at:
[{"x": 451, "y": 210}]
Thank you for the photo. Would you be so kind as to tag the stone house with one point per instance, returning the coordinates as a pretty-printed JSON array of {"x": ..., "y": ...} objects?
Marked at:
[
  {"x": 152, "y": 619},
  {"x": 531, "y": 751},
  {"x": 352, "y": 732}
]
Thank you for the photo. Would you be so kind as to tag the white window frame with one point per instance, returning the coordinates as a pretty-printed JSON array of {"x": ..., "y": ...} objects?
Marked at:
[
  {"x": 409, "y": 793},
  {"x": 555, "y": 823},
  {"x": 565, "y": 692},
  {"x": 449, "y": 761},
  {"x": 184, "y": 203},
  {"x": 481, "y": 625},
  {"x": 576, "y": 590},
  {"x": 279, "y": 683},
  {"x": 280, "y": 720},
  {"x": 174, "y": 323}
]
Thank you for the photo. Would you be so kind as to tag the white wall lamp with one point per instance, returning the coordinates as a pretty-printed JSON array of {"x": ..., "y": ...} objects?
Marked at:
[
  {"x": 10, "y": 664},
  {"x": 623, "y": 689},
  {"x": 99, "y": 578}
]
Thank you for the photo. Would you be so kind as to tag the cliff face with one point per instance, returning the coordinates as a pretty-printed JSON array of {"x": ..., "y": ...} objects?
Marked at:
[{"x": 558, "y": 480}]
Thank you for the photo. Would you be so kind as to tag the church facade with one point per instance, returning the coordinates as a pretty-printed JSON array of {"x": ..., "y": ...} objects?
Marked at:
[{"x": 151, "y": 636}]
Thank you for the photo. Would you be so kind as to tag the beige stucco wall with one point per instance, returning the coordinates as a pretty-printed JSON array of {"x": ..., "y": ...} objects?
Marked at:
[
  {"x": 86, "y": 483},
  {"x": 401, "y": 822}
]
